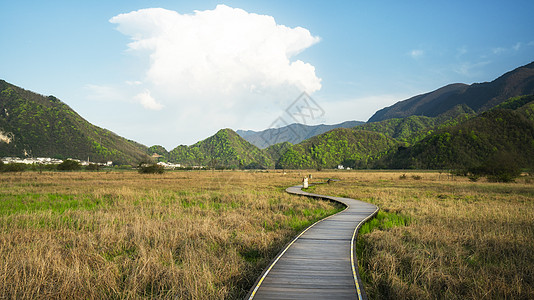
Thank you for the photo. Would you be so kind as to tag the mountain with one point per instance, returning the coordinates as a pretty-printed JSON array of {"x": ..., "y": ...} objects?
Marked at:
[
  {"x": 294, "y": 133},
  {"x": 224, "y": 149},
  {"x": 479, "y": 97},
  {"x": 39, "y": 126},
  {"x": 277, "y": 150},
  {"x": 349, "y": 147},
  {"x": 505, "y": 133},
  {"x": 413, "y": 128}
]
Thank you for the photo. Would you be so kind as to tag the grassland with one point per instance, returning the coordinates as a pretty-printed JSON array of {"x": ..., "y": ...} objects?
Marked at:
[
  {"x": 180, "y": 235},
  {"x": 443, "y": 238},
  {"x": 208, "y": 235}
]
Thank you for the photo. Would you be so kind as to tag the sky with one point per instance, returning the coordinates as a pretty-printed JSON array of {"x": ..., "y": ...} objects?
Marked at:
[{"x": 175, "y": 72}]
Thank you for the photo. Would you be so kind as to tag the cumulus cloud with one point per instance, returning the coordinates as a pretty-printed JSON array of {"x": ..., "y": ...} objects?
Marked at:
[
  {"x": 213, "y": 69},
  {"x": 224, "y": 51}
]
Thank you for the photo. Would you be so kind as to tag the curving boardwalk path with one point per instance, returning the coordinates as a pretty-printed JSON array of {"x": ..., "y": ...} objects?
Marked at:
[{"x": 320, "y": 262}]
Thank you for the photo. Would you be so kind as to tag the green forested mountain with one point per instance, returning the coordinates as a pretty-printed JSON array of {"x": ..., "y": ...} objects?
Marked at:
[
  {"x": 498, "y": 134},
  {"x": 479, "y": 97},
  {"x": 350, "y": 147},
  {"x": 158, "y": 149},
  {"x": 458, "y": 137},
  {"x": 413, "y": 128},
  {"x": 224, "y": 149},
  {"x": 277, "y": 150},
  {"x": 39, "y": 126}
]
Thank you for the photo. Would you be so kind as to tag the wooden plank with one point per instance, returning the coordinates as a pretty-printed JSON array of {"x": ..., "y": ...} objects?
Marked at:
[{"x": 318, "y": 264}]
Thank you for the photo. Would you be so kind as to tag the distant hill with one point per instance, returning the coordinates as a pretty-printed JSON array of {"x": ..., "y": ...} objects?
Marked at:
[
  {"x": 224, "y": 149},
  {"x": 39, "y": 126},
  {"x": 158, "y": 149},
  {"x": 294, "y": 133},
  {"x": 479, "y": 97},
  {"x": 503, "y": 133},
  {"x": 349, "y": 147}
]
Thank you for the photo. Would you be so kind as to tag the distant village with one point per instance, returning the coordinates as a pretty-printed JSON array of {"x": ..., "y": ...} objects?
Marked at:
[
  {"x": 55, "y": 161},
  {"x": 48, "y": 161}
]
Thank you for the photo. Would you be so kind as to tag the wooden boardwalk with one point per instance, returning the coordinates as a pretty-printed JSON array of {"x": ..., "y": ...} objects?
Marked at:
[{"x": 320, "y": 262}]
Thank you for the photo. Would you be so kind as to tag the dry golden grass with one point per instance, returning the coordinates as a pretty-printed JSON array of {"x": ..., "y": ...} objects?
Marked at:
[
  {"x": 466, "y": 240},
  {"x": 185, "y": 235}
]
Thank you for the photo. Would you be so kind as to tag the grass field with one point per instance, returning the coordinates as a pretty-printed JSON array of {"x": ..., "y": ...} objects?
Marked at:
[
  {"x": 180, "y": 235},
  {"x": 443, "y": 238},
  {"x": 208, "y": 235}
]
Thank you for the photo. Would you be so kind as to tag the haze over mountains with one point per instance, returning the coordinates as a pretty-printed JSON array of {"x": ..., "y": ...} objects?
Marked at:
[
  {"x": 293, "y": 133},
  {"x": 455, "y": 126}
]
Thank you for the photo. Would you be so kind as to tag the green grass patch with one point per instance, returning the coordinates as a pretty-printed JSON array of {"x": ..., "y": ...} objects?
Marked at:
[
  {"x": 385, "y": 220},
  {"x": 31, "y": 202}
]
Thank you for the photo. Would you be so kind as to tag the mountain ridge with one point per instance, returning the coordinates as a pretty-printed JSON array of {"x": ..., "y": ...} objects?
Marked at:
[
  {"x": 504, "y": 133},
  {"x": 293, "y": 133},
  {"x": 45, "y": 126},
  {"x": 479, "y": 97},
  {"x": 37, "y": 125},
  {"x": 225, "y": 149}
]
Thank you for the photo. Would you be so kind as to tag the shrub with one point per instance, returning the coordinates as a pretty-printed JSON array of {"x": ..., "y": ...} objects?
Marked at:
[
  {"x": 403, "y": 176},
  {"x": 145, "y": 168},
  {"x": 93, "y": 167},
  {"x": 503, "y": 177},
  {"x": 254, "y": 166},
  {"x": 474, "y": 177},
  {"x": 14, "y": 167},
  {"x": 501, "y": 167},
  {"x": 69, "y": 165},
  {"x": 417, "y": 177}
]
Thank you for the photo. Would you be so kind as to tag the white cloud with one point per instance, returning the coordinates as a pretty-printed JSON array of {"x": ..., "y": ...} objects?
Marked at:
[
  {"x": 103, "y": 93},
  {"x": 498, "y": 50},
  {"x": 222, "y": 51},
  {"x": 501, "y": 50},
  {"x": 470, "y": 69},
  {"x": 148, "y": 101},
  {"x": 416, "y": 53},
  {"x": 216, "y": 68},
  {"x": 133, "y": 83}
]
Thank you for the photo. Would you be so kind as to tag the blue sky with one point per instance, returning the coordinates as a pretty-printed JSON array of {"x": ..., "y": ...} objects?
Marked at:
[{"x": 352, "y": 57}]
